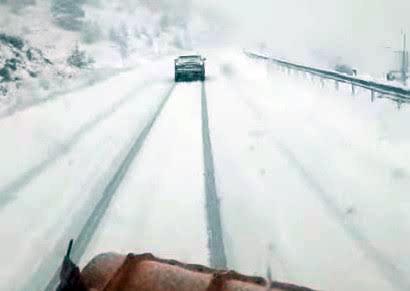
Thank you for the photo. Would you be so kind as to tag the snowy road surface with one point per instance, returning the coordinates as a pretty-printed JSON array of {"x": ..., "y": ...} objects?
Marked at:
[{"x": 254, "y": 167}]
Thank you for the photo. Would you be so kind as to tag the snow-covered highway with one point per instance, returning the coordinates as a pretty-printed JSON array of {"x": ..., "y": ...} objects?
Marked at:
[{"x": 311, "y": 183}]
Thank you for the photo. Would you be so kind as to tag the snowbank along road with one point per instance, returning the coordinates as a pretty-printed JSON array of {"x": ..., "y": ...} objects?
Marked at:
[{"x": 250, "y": 170}]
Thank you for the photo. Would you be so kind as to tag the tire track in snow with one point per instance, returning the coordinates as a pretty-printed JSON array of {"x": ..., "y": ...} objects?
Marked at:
[
  {"x": 382, "y": 262},
  {"x": 393, "y": 275},
  {"x": 213, "y": 213},
  {"x": 7, "y": 192},
  {"x": 37, "y": 280}
]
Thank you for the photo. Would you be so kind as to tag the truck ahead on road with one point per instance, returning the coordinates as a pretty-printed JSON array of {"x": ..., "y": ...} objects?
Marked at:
[{"x": 190, "y": 68}]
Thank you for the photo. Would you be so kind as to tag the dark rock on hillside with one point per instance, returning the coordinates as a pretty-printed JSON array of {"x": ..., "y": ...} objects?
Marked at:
[
  {"x": 14, "y": 41},
  {"x": 19, "y": 60}
]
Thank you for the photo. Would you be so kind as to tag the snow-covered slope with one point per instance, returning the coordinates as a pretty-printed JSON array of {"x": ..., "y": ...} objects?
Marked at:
[
  {"x": 113, "y": 34},
  {"x": 20, "y": 66}
]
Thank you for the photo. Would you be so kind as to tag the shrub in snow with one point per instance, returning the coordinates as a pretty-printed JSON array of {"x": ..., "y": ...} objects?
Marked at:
[
  {"x": 8, "y": 69},
  {"x": 121, "y": 38},
  {"x": 18, "y": 60},
  {"x": 79, "y": 59},
  {"x": 34, "y": 54},
  {"x": 95, "y": 3},
  {"x": 91, "y": 32},
  {"x": 68, "y": 14},
  {"x": 21, "y": 67},
  {"x": 17, "y": 5},
  {"x": 44, "y": 84},
  {"x": 5, "y": 75},
  {"x": 12, "y": 40},
  {"x": 3, "y": 90}
]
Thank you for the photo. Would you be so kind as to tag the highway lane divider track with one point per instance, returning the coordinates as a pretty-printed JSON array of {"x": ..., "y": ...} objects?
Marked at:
[
  {"x": 90, "y": 226},
  {"x": 214, "y": 226},
  {"x": 381, "y": 261},
  {"x": 8, "y": 191}
]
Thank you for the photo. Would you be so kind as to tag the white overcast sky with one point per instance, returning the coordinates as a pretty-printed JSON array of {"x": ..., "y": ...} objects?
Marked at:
[{"x": 355, "y": 29}]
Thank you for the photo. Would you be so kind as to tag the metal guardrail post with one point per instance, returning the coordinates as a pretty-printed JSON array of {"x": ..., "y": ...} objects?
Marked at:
[{"x": 337, "y": 85}]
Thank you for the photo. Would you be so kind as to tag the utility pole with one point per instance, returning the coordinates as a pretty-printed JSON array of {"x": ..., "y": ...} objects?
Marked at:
[
  {"x": 402, "y": 73},
  {"x": 404, "y": 60}
]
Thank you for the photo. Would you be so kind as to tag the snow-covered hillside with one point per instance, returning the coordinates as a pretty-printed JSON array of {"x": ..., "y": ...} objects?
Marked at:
[
  {"x": 106, "y": 34},
  {"x": 144, "y": 27}
]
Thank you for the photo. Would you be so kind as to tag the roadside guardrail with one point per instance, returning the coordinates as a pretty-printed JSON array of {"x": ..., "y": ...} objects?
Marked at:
[{"x": 377, "y": 89}]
